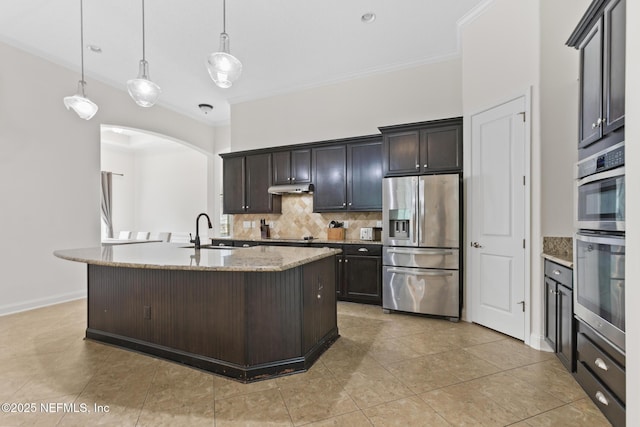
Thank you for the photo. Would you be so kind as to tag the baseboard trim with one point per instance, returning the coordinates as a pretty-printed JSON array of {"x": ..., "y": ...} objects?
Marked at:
[
  {"x": 8, "y": 309},
  {"x": 538, "y": 342}
]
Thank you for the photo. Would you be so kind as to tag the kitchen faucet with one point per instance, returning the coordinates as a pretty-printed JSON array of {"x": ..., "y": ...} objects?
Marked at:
[{"x": 196, "y": 241}]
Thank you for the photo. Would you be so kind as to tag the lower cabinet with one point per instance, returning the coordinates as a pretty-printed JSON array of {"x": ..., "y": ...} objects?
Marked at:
[
  {"x": 601, "y": 373},
  {"x": 361, "y": 274},
  {"x": 560, "y": 331}
]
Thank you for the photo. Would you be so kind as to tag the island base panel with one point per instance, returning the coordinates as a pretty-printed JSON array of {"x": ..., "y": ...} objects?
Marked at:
[{"x": 247, "y": 326}]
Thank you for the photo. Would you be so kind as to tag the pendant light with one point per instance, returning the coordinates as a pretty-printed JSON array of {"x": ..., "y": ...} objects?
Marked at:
[
  {"x": 223, "y": 67},
  {"x": 143, "y": 91},
  {"x": 82, "y": 105}
]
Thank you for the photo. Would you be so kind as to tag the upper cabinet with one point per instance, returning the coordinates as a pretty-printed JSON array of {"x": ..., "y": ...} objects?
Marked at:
[
  {"x": 348, "y": 176},
  {"x": 246, "y": 180},
  {"x": 292, "y": 167},
  {"x": 421, "y": 148},
  {"x": 600, "y": 38}
]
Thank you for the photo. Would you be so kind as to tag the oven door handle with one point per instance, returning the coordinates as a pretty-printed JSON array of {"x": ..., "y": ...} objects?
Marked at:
[
  {"x": 608, "y": 240},
  {"x": 602, "y": 175}
]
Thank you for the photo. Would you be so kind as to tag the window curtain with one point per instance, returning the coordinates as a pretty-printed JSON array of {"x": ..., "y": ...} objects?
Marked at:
[{"x": 106, "y": 189}]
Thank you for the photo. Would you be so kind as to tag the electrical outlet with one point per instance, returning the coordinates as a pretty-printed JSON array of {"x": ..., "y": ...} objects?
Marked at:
[
  {"x": 346, "y": 224},
  {"x": 253, "y": 224},
  {"x": 379, "y": 224},
  {"x": 246, "y": 224}
]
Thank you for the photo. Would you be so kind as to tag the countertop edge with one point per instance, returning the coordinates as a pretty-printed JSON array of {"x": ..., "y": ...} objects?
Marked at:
[
  {"x": 558, "y": 259},
  {"x": 240, "y": 269}
]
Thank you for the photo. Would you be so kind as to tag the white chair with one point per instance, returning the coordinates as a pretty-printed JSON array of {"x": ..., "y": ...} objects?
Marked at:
[
  {"x": 124, "y": 235},
  {"x": 142, "y": 235},
  {"x": 165, "y": 236}
]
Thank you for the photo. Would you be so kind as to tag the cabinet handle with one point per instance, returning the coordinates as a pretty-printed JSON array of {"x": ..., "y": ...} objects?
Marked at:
[
  {"x": 425, "y": 166},
  {"x": 319, "y": 296},
  {"x": 349, "y": 203},
  {"x": 363, "y": 250},
  {"x": 552, "y": 292},
  {"x": 556, "y": 272},
  {"x": 417, "y": 166},
  {"x": 593, "y": 125},
  {"x": 288, "y": 179},
  {"x": 600, "y": 364},
  {"x": 346, "y": 260},
  {"x": 340, "y": 260},
  {"x": 599, "y": 122},
  {"x": 246, "y": 245},
  {"x": 344, "y": 204},
  {"x": 601, "y": 398},
  {"x": 293, "y": 179}
]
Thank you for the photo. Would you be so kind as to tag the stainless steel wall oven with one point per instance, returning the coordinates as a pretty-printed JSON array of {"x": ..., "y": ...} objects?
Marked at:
[{"x": 599, "y": 253}]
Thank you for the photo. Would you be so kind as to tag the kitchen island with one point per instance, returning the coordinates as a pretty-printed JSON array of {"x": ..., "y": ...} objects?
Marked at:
[{"x": 246, "y": 313}]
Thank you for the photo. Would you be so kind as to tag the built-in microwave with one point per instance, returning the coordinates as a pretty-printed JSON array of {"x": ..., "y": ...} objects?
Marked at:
[
  {"x": 599, "y": 290},
  {"x": 600, "y": 194}
]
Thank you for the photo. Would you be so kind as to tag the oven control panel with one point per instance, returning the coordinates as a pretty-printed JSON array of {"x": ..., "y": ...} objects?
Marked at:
[{"x": 611, "y": 158}]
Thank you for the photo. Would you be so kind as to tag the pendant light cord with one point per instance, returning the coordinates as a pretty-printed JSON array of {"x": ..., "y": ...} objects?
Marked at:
[
  {"x": 143, "y": 49},
  {"x": 82, "y": 43},
  {"x": 224, "y": 16}
]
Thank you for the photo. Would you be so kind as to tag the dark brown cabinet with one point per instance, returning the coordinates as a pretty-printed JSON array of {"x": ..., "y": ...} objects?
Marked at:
[
  {"x": 319, "y": 314},
  {"x": 600, "y": 38},
  {"x": 348, "y": 177},
  {"x": 362, "y": 274},
  {"x": 559, "y": 322},
  {"x": 291, "y": 167},
  {"x": 420, "y": 148},
  {"x": 246, "y": 180}
]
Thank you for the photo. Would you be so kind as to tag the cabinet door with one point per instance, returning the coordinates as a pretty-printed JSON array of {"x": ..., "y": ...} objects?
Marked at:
[
  {"x": 364, "y": 176},
  {"x": 233, "y": 182},
  {"x": 363, "y": 278},
  {"x": 258, "y": 180},
  {"x": 614, "y": 63},
  {"x": 565, "y": 343},
  {"x": 551, "y": 312},
  {"x": 591, "y": 87},
  {"x": 281, "y": 167},
  {"x": 441, "y": 149},
  {"x": 401, "y": 154},
  {"x": 301, "y": 166},
  {"x": 330, "y": 176}
]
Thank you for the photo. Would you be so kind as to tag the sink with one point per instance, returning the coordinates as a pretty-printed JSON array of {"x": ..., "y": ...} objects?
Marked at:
[{"x": 208, "y": 247}]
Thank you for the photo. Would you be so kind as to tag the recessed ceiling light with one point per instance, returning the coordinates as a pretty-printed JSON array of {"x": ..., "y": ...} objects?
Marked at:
[
  {"x": 368, "y": 18},
  {"x": 205, "y": 108},
  {"x": 93, "y": 48},
  {"x": 118, "y": 130}
]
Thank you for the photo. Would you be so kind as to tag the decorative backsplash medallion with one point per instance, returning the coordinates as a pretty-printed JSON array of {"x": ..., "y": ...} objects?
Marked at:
[{"x": 298, "y": 220}]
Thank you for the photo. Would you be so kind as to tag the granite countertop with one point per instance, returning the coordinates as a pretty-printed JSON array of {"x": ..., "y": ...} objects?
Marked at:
[
  {"x": 294, "y": 240},
  {"x": 559, "y": 250},
  {"x": 168, "y": 256}
]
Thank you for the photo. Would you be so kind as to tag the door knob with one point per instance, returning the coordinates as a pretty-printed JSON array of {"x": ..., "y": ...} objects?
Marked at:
[{"x": 476, "y": 245}]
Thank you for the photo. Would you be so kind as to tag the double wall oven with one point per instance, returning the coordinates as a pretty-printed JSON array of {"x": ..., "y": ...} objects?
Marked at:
[{"x": 599, "y": 297}]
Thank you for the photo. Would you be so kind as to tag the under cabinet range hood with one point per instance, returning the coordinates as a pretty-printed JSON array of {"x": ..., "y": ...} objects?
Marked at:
[{"x": 291, "y": 189}]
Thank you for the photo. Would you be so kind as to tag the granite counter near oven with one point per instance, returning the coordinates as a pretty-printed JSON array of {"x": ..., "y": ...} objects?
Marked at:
[{"x": 246, "y": 313}]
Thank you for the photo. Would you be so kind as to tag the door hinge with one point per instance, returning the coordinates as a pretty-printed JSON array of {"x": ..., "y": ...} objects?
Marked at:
[
  {"x": 524, "y": 243},
  {"x": 524, "y": 115}
]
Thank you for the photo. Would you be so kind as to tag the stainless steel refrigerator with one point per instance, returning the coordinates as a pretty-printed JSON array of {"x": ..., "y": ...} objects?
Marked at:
[{"x": 421, "y": 237}]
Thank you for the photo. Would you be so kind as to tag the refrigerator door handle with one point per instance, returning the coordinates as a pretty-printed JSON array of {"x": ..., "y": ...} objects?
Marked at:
[
  {"x": 413, "y": 272},
  {"x": 414, "y": 215},
  {"x": 420, "y": 206},
  {"x": 419, "y": 251}
]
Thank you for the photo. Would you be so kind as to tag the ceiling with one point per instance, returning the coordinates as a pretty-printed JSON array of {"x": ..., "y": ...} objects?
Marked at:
[{"x": 284, "y": 45}]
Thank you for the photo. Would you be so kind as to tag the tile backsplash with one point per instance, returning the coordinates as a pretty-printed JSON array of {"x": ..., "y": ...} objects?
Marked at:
[{"x": 298, "y": 220}]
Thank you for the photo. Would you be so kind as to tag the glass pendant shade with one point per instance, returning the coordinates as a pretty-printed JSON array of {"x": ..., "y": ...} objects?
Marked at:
[
  {"x": 83, "y": 106},
  {"x": 223, "y": 67},
  {"x": 143, "y": 91}
]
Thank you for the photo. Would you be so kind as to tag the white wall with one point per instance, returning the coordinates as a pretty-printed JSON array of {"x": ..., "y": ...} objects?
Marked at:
[
  {"x": 164, "y": 186},
  {"x": 50, "y": 173},
  {"x": 500, "y": 61},
  {"x": 559, "y": 75},
  {"x": 632, "y": 162},
  {"x": 350, "y": 108},
  {"x": 171, "y": 184}
]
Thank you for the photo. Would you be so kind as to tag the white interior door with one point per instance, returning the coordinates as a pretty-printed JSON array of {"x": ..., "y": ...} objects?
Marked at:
[{"x": 497, "y": 218}]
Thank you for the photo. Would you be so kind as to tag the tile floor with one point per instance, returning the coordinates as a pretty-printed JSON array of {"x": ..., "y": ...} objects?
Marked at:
[{"x": 385, "y": 370}]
